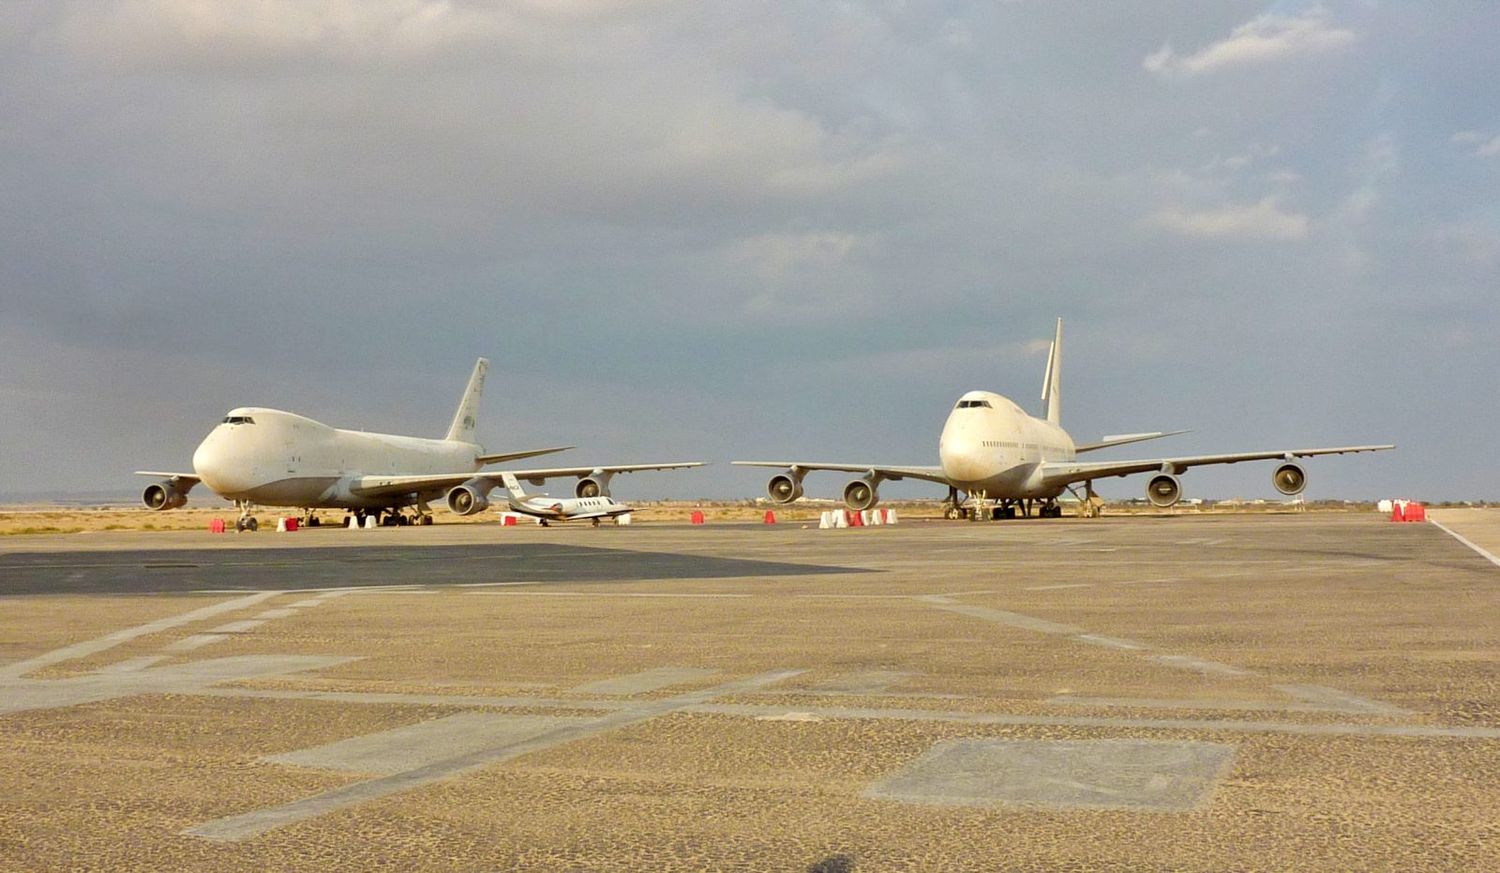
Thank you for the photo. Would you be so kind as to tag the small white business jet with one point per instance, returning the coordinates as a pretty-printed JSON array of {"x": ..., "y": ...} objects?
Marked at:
[
  {"x": 267, "y": 457},
  {"x": 549, "y": 509},
  {"x": 1006, "y": 460}
]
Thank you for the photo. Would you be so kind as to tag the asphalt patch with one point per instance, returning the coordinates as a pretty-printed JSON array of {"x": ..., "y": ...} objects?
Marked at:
[
  {"x": 177, "y": 571},
  {"x": 1160, "y": 775}
]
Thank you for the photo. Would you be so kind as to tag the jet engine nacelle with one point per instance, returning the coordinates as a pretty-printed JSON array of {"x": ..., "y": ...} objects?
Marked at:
[
  {"x": 784, "y": 487},
  {"x": 1164, "y": 490},
  {"x": 1289, "y": 478},
  {"x": 861, "y": 494},
  {"x": 595, "y": 485},
  {"x": 469, "y": 498},
  {"x": 163, "y": 495}
]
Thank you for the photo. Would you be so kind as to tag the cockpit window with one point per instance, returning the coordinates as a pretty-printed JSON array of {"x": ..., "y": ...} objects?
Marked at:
[
  {"x": 238, "y": 419},
  {"x": 972, "y": 404}
]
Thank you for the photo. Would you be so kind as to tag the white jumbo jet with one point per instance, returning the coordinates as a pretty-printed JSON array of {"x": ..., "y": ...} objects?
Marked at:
[
  {"x": 1005, "y": 460},
  {"x": 549, "y": 509},
  {"x": 274, "y": 458}
]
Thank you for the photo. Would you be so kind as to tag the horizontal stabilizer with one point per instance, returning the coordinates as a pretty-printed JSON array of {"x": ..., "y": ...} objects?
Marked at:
[
  {"x": 1122, "y": 439},
  {"x": 515, "y": 456}
]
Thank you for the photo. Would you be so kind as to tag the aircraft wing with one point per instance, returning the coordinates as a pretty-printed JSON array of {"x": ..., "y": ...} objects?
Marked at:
[
  {"x": 188, "y": 478},
  {"x": 383, "y": 486},
  {"x": 1068, "y": 472},
  {"x": 601, "y": 513},
  {"x": 931, "y": 474}
]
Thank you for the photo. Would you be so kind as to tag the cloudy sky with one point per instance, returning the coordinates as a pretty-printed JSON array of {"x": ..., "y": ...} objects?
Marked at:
[{"x": 712, "y": 230}]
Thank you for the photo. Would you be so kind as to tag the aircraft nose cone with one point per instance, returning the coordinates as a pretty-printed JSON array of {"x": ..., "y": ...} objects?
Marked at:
[
  {"x": 213, "y": 461},
  {"x": 963, "y": 461}
]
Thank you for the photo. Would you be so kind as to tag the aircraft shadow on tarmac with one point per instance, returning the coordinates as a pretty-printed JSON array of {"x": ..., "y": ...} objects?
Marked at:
[{"x": 183, "y": 571}]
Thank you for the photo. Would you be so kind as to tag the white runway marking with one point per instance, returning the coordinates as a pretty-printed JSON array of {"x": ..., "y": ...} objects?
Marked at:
[
  {"x": 854, "y": 596},
  {"x": 133, "y": 664},
  {"x": 1111, "y": 642},
  {"x": 492, "y": 584},
  {"x": 196, "y": 641},
  {"x": 644, "y": 681},
  {"x": 1187, "y": 662},
  {"x": 606, "y": 594},
  {"x": 276, "y": 613},
  {"x": 79, "y": 650},
  {"x": 1059, "y": 587},
  {"x": 237, "y": 627},
  {"x": 1481, "y": 552},
  {"x": 249, "y": 824}
]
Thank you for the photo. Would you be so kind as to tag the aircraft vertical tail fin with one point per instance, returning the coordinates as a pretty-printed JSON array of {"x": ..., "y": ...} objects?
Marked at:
[
  {"x": 1052, "y": 382},
  {"x": 465, "y": 420},
  {"x": 512, "y": 485}
]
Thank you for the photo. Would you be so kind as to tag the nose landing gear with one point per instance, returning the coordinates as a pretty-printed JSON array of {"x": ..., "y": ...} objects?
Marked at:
[{"x": 246, "y": 521}]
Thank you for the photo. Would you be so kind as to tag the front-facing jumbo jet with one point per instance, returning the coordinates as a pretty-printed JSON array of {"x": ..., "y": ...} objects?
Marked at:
[
  {"x": 275, "y": 458},
  {"x": 1003, "y": 458}
]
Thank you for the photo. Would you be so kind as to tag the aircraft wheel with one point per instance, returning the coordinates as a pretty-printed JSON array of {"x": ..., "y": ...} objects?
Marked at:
[
  {"x": 426, "y": 520},
  {"x": 251, "y": 525},
  {"x": 314, "y": 522}
]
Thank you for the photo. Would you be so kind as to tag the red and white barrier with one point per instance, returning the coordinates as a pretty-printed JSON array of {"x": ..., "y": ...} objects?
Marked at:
[{"x": 1408, "y": 510}]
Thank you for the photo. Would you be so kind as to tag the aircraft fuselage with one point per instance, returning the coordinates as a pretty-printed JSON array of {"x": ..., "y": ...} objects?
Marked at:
[
  {"x": 990, "y": 444},
  {"x": 277, "y": 458}
]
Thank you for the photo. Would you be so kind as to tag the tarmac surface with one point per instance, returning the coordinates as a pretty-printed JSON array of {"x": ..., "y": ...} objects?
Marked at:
[{"x": 1192, "y": 692}]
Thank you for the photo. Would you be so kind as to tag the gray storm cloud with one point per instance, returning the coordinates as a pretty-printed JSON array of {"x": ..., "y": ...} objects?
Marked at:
[{"x": 721, "y": 230}]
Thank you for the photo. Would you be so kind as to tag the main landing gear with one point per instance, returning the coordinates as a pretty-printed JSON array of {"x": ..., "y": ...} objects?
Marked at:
[
  {"x": 1090, "y": 505},
  {"x": 978, "y": 507},
  {"x": 388, "y": 518}
]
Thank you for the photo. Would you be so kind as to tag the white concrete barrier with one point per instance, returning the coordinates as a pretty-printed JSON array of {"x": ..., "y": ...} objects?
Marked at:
[
  {"x": 371, "y": 522},
  {"x": 840, "y": 518},
  {"x": 622, "y": 519},
  {"x": 281, "y": 525},
  {"x": 825, "y": 520},
  {"x": 352, "y": 523},
  {"x": 890, "y": 516},
  {"x": 877, "y": 516}
]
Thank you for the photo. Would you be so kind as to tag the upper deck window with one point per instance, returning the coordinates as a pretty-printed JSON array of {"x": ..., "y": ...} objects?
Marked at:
[
  {"x": 972, "y": 404},
  {"x": 238, "y": 419}
]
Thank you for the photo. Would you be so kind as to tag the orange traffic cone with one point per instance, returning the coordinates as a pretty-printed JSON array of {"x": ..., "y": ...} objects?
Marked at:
[{"x": 770, "y": 517}]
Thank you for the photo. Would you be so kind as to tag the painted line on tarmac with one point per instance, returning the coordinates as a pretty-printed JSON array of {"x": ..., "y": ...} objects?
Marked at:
[
  {"x": 90, "y": 647},
  {"x": 249, "y": 824},
  {"x": 1077, "y": 634},
  {"x": 402, "y": 698},
  {"x": 237, "y": 627},
  {"x": 758, "y": 711},
  {"x": 1482, "y": 553},
  {"x": 1059, "y": 587},
  {"x": 196, "y": 641},
  {"x": 1194, "y": 724},
  {"x": 610, "y": 594}
]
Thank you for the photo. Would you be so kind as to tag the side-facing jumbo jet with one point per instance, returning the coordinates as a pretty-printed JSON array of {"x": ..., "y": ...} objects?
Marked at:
[
  {"x": 549, "y": 509},
  {"x": 274, "y": 458},
  {"x": 1005, "y": 459}
]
